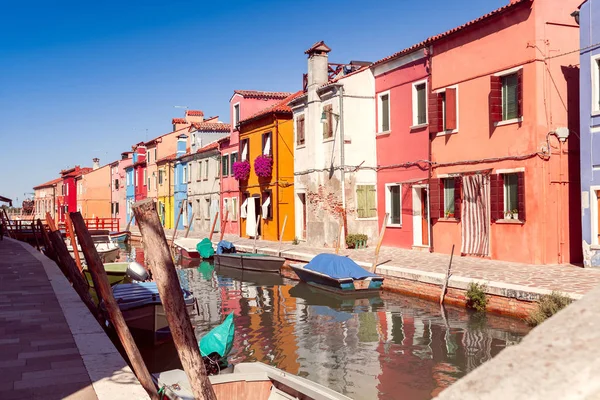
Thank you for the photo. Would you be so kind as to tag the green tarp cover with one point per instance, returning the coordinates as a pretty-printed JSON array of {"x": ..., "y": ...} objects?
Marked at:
[
  {"x": 219, "y": 339},
  {"x": 205, "y": 248}
]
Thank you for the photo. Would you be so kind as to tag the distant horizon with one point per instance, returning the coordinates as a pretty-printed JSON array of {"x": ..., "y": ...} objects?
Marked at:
[{"x": 82, "y": 81}]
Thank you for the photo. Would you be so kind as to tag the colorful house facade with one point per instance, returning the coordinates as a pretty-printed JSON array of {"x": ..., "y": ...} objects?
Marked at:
[
  {"x": 402, "y": 136},
  {"x": 118, "y": 186},
  {"x": 130, "y": 190},
  {"x": 508, "y": 164},
  {"x": 140, "y": 172},
  {"x": 267, "y": 143},
  {"x": 67, "y": 198},
  {"x": 44, "y": 196},
  {"x": 94, "y": 192},
  {"x": 242, "y": 104},
  {"x": 166, "y": 190},
  {"x": 590, "y": 130},
  {"x": 335, "y": 151},
  {"x": 180, "y": 190}
]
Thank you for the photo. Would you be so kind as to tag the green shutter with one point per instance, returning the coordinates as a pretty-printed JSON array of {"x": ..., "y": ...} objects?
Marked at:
[
  {"x": 385, "y": 113},
  {"x": 509, "y": 97},
  {"x": 395, "y": 204},
  {"x": 361, "y": 201},
  {"x": 371, "y": 201}
]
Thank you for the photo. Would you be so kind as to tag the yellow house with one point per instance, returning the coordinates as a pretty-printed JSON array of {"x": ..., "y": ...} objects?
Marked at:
[
  {"x": 165, "y": 191},
  {"x": 268, "y": 135}
]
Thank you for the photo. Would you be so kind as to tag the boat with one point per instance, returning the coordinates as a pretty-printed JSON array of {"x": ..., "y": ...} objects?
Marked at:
[
  {"x": 120, "y": 237},
  {"x": 141, "y": 306},
  {"x": 361, "y": 302},
  {"x": 227, "y": 256},
  {"x": 107, "y": 249},
  {"x": 251, "y": 380},
  {"x": 121, "y": 272},
  {"x": 257, "y": 277},
  {"x": 192, "y": 248},
  {"x": 338, "y": 274}
]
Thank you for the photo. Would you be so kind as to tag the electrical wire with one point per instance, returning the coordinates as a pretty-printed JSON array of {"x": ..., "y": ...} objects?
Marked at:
[{"x": 574, "y": 51}]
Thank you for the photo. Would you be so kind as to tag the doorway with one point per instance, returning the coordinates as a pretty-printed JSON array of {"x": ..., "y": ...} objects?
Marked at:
[
  {"x": 258, "y": 208},
  {"x": 301, "y": 216},
  {"x": 421, "y": 231}
]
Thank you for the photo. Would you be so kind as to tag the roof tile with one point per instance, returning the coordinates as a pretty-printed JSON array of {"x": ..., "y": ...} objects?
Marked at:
[
  {"x": 281, "y": 107},
  {"x": 210, "y": 127},
  {"x": 257, "y": 94},
  {"x": 49, "y": 183}
]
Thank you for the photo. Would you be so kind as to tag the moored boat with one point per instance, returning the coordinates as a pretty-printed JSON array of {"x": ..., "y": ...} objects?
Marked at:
[
  {"x": 120, "y": 237},
  {"x": 121, "y": 272},
  {"x": 107, "y": 249},
  {"x": 227, "y": 256},
  {"x": 194, "y": 248},
  {"x": 338, "y": 274}
]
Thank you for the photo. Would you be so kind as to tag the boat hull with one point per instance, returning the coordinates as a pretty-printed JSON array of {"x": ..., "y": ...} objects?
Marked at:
[
  {"x": 250, "y": 262},
  {"x": 120, "y": 237},
  {"x": 345, "y": 286},
  {"x": 107, "y": 256}
]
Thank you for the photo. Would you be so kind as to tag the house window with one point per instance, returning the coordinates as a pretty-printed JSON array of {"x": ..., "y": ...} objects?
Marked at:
[
  {"x": 267, "y": 149},
  {"x": 384, "y": 112},
  {"x": 160, "y": 177},
  {"x": 234, "y": 158},
  {"x": 225, "y": 208},
  {"x": 116, "y": 184},
  {"x": 184, "y": 175},
  {"x": 393, "y": 203},
  {"x": 328, "y": 124},
  {"x": 267, "y": 205},
  {"x": 234, "y": 210},
  {"x": 236, "y": 115},
  {"x": 149, "y": 184},
  {"x": 199, "y": 171},
  {"x": 300, "y": 135},
  {"x": 245, "y": 145},
  {"x": 205, "y": 177},
  {"x": 144, "y": 180},
  {"x": 207, "y": 208},
  {"x": 225, "y": 165},
  {"x": 191, "y": 174},
  {"x": 511, "y": 194},
  {"x": 449, "y": 193},
  {"x": 510, "y": 109},
  {"x": 366, "y": 201},
  {"x": 596, "y": 84},
  {"x": 155, "y": 153},
  {"x": 116, "y": 208},
  {"x": 419, "y": 103},
  {"x": 218, "y": 169},
  {"x": 127, "y": 179}
]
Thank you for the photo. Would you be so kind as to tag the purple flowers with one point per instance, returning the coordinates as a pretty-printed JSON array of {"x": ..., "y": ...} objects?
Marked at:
[
  {"x": 263, "y": 165},
  {"x": 241, "y": 170}
]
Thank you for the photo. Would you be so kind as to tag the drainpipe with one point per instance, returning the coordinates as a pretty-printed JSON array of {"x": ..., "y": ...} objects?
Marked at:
[
  {"x": 342, "y": 161},
  {"x": 276, "y": 164},
  {"x": 430, "y": 166}
]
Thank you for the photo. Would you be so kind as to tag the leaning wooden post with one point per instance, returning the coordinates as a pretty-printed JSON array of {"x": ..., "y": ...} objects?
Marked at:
[
  {"x": 104, "y": 291},
  {"x": 50, "y": 222},
  {"x": 69, "y": 228},
  {"x": 187, "y": 231},
  {"x": 160, "y": 263},
  {"x": 214, "y": 224},
  {"x": 177, "y": 223},
  {"x": 9, "y": 230},
  {"x": 223, "y": 225},
  {"x": 48, "y": 249},
  {"x": 129, "y": 223},
  {"x": 379, "y": 241},
  {"x": 339, "y": 241},
  {"x": 281, "y": 236},
  {"x": 37, "y": 243},
  {"x": 443, "y": 294}
]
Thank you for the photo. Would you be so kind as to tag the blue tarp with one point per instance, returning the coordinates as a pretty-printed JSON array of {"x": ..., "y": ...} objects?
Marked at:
[
  {"x": 337, "y": 267},
  {"x": 225, "y": 247}
]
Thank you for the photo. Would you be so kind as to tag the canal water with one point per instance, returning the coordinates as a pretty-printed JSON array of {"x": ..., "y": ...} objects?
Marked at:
[{"x": 382, "y": 347}]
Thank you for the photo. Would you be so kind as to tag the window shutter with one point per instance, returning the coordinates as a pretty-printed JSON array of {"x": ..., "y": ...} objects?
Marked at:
[
  {"x": 300, "y": 133},
  {"x": 361, "y": 201},
  {"x": 451, "y": 109},
  {"x": 520, "y": 93},
  {"x": 371, "y": 202},
  {"x": 496, "y": 196},
  {"x": 436, "y": 198},
  {"x": 436, "y": 118},
  {"x": 521, "y": 195},
  {"x": 329, "y": 121},
  {"x": 495, "y": 98},
  {"x": 385, "y": 113},
  {"x": 457, "y": 196}
]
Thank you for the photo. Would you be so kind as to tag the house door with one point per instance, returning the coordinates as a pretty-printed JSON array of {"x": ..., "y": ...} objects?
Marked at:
[
  {"x": 420, "y": 205},
  {"x": 302, "y": 216},
  {"x": 258, "y": 208},
  {"x": 424, "y": 217}
]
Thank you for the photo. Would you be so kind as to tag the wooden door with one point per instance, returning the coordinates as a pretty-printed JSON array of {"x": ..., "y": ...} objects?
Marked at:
[
  {"x": 424, "y": 218},
  {"x": 302, "y": 197}
]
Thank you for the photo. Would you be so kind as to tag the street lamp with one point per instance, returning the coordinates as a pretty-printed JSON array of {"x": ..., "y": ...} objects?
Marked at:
[{"x": 575, "y": 14}]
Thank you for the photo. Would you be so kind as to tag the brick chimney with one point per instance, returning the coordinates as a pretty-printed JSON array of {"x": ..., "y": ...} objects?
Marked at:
[
  {"x": 96, "y": 163},
  {"x": 194, "y": 116},
  {"x": 317, "y": 64}
]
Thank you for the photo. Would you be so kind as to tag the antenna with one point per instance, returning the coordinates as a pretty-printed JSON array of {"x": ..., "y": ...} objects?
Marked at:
[{"x": 184, "y": 107}]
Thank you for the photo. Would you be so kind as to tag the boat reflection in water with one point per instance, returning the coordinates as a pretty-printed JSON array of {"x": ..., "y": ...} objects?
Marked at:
[{"x": 375, "y": 347}]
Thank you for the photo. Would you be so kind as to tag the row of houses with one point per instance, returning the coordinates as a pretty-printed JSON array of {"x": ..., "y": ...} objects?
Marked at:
[{"x": 469, "y": 139}]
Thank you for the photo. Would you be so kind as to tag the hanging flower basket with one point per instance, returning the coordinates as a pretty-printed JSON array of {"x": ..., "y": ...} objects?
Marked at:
[
  {"x": 241, "y": 170},
  {"x": 263, "y": 166}
]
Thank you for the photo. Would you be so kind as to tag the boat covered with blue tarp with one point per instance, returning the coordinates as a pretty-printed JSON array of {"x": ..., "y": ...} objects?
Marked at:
[{"x": 338, "y": 267}]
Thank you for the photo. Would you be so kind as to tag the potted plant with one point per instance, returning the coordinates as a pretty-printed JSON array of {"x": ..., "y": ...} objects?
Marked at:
[
  {"x": 356, "y": 241},
  {"x": 515, "y": 214},
  {"x": 263, "y": 166},
  {"x": 241, "y": 170},
  {"x": 507, "y": 215},
  {"x": 449, "y": 214}
]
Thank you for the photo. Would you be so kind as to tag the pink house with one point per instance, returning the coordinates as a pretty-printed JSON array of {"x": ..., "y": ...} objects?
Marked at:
[
  {"x": 118, "y": 187},
  {"x": 243, "y": 104},
  {"x": 402, "y": 135}
]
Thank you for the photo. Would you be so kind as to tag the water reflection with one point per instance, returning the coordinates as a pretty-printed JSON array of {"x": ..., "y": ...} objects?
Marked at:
[{"x": 378, "y": 347}]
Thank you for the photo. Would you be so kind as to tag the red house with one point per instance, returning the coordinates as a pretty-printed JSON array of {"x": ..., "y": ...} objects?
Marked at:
[
  {"x": 401, "y": 86},
  {"x": 67, "y": 199},
  {"x": 140, "y": 172}
]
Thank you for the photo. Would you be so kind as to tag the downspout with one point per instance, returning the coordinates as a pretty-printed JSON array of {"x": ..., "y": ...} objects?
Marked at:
[
  {"x": 429, "y": 156},
  {"x": 342, "y": 161},
  {"x": 276, "y": 163}
]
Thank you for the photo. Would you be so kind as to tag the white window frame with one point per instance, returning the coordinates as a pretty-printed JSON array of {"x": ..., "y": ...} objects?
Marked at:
[
  {"x": 333, "y": 121},
  {"x": 225, "y": 206},
  {"x": 269, "y": 142},
  {"x": 380, "y": 112},
  {"x": 505, "y": 192},
  {"x": 375, "y": 218},
  {"x": 234, "y": 211},
  {"x": 513, "y": 120},
  {"x": 199, "y": 171},
  {"x": 184, "y": 174},
  {"x": 144, "y": 177},
  {"x": 233, "y": 117},
  {"x": 595, "y": 71},
  {"x": 206, "y": 164},
  {"x": 230, "y": 163},
  {"x": 388, "y": 204},
  {"x": 226, "y": 155},
  {"x": 415, "y": 112},
  {"x": 207, "y": 201}
]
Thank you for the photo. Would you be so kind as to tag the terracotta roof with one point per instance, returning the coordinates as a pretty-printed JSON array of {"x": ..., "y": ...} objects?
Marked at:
[
  {"x": 178, "y": 121},
  {"x": 149, "y": 142},
  {"x": 170, "y": 157},
  {"x": 257, "y": 94},
  {"x": 432, "y": 39},
  {"x": 281, "y": 107},
  {"x": 210, "y": 127},
  {"x": 49, "y": 183},
  {"x": 318, "y": 46},
  {"x": 337, "y": 78},
  {"x": 211, "y": 146},
  {"x": 194, "y": 113}
]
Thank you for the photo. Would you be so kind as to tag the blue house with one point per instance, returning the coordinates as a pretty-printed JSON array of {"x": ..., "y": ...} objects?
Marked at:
[
  {"x": 181, "y": 185},
  {"x": 589, "y": 97},
  {"x": 130, "y": 189}
]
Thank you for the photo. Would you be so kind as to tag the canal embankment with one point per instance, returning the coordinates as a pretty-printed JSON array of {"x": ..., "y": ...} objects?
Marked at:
[
  {"x": 52, "y": 346},
  {"x": 512, "y": 289}
]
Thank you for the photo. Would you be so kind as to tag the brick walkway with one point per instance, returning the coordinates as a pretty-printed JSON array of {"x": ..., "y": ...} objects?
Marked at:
[
  {"x": 564, "y": 278},
  {"x": 38, "y": 354}
]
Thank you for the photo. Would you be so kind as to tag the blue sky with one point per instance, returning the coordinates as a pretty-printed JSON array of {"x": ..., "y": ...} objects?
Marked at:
[{"x": 88, "y": 79}]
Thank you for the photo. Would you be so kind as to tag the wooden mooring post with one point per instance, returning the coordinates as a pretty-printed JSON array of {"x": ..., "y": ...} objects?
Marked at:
[
  {"x": 256, "y": 233},
  {"x": 104, "y": 291},
  {"x": 445, "y": 286},
  {"x": 37, "y": 242},
  {"x": 48, "y": 249},
  {"x": 190, "y": 222},
  {"x": 224, "y": 225},
  {"x": 339, "y": 239},
  {"x": 379, "y": 241},
  {"x": 281, "y": 236},
  {"x": 158, "y": 259},
  {"x": 212, "y": 228},
  {"x": 69, "y": 228}
]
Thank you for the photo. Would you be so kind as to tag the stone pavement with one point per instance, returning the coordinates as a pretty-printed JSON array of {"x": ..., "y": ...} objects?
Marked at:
[
  {"x": 50, "y": 345},
  {"x": 500, "y": 276}
]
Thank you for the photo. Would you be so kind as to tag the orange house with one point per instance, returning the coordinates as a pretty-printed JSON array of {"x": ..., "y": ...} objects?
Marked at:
[{"x": 269, "y": 137}]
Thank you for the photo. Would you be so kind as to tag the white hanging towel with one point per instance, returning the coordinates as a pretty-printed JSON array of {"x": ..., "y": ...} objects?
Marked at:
[
  {"x": 267, "y": 149},
  {"x": 244, "y": 209},
  {"x": 251, "y": 219},
  {"x": 265, "y": 208},
  {"x": 245, "y": 151}
]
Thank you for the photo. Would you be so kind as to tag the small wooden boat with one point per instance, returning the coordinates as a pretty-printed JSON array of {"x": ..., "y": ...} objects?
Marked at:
[
  {"x": 187, "y": 247},
  {"x": 338, "y": 274},
  {"x": 122, "y": 272},
  {"x": 250, "y": 262},
  {"x": 141, "y": 306},
  {"x": 253, "y": 380},
  {"x": 257, "y": 277},
  {"x": 120, "y": 237},
  {"x": 106, "y": 248}
]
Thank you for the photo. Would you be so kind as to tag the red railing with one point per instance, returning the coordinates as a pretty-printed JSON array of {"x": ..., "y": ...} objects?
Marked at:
[{"x": 110, "y": 224}]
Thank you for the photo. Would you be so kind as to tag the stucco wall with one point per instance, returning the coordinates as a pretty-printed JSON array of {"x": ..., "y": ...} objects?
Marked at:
[{"x": 94, "y": 200}]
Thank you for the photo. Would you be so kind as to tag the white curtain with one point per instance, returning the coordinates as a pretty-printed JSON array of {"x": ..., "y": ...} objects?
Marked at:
[
  {"x": 265, "y": 208},
  {"x": 244, "y": 209},
  {"x": 267, "y": 149},
  {"x": 251, "y": 219},
  {"x": 245, "y": 151}
]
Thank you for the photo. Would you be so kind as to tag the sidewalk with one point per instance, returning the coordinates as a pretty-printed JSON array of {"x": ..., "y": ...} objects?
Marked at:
[
  {"x": 51, "y": 347},
  {"x": 521, "y": 281}
]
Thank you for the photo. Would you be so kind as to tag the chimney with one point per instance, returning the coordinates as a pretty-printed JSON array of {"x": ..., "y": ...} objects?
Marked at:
[
  {"x": 96, "y": 163},
  {"x": 192, "y": 116},
  {"x": 317, "y": 64},
  {"x": 181, "y": 145}
]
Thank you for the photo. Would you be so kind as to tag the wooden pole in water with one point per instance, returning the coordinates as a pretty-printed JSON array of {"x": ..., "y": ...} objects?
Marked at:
[
  {"x": 212, "y": 229},
  {"x": 69, "y": 228},
  {"x": 187, "y": 231},
  {"x": 9, "y": 230},
  {"x": 256, "y": 233},
  {"x": 33, "y": 230},
  {"x": 223, "y": 225},
  {"x": 50, "y": 222},
  {"x": 177, "y": 223},
  {"x": 160, "y": 263},
  {"x": 379, "y": 241},
  {"x": 104, "y": 291},
  {"x": 48, "y": 248},
  {"x": 129, "y": 223},
  {"x": 281, "y": 236},
  {"x": 443, "y": 294}
]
